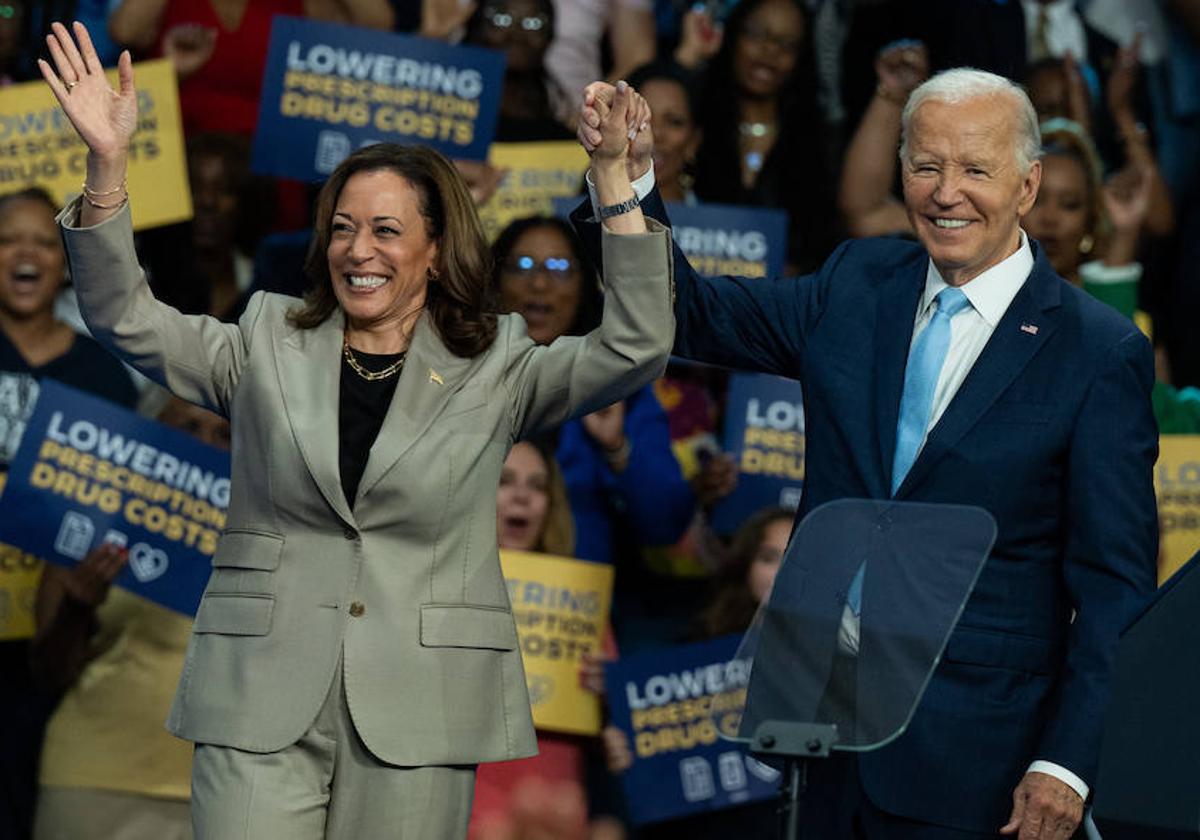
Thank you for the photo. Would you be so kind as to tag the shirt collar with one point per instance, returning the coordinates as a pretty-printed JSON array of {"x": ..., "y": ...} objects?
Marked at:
[{"x": 991, "y": 292}]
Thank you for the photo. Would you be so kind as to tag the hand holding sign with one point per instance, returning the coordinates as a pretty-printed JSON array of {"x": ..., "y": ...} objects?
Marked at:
[
  {"x": 88, "y": 582},
  {"x": 104, "y": 118}
]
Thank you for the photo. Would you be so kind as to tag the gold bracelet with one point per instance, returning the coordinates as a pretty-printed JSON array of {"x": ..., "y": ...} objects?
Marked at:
[
  {"x": 89, "y": 191},
  {"x": 100, "y": 206}
]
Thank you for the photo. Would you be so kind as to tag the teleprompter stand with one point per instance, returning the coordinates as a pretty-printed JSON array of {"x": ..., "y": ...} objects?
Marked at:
[{"x": 867, "y": 595}]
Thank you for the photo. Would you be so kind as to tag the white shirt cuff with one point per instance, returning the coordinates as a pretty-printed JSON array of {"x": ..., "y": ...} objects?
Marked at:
[
  {"x": 641, "y": 188},
  {"x": 1063, "y": 775}
]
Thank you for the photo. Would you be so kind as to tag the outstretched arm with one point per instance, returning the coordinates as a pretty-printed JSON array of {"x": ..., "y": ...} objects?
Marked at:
[{"x": 865, "y": 194}]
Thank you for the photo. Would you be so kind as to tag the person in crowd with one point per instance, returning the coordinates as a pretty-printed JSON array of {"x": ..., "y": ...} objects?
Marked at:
[
  {"x": 865, "y": 194},
  {"x": 34, "y": 345},
  {"x": 206, "y": 265},
  {"x": 676, "y": 128},
  {"x": 582, "y": 29},
  {"x": 219, "y": 48},
  {"x": 532, "y": 514},
  {"x": 373, "y": 420},
  {"x": 761, "y": 126},
  {"x": 108, "y": 768},
  {"x": 522, "y": 30},
  {"x": 962, "y": 369},
  {"x": 742, "y": 584},
  {"x": 620, "y": 473}
]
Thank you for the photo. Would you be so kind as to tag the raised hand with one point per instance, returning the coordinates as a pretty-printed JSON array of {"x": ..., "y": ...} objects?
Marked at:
[
  {"x": 88, "y": 581},
  {"x": 700, "y": 39},
  {"x": 104, "y": 118},
  {"x": 901, "y": 67},
  {"x": 1121, "y": 81},
  {"x": 189, "y": 46},
  {"x": 598, "y": 98},
  {"x": 441, "y": 18}
]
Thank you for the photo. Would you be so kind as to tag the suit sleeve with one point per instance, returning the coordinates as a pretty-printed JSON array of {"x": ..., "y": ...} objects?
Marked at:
[
  {"x": 579, "y": 374},
  {"x": 1112, "y": 547},
  {"x": 196, "y": 357},
  {"x": 738, "y": 322}
]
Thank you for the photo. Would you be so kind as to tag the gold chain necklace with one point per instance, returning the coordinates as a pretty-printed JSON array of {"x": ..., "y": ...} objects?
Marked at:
[{"x": 370, "y": 375}]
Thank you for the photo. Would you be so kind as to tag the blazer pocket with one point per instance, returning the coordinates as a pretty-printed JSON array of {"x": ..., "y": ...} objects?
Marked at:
[
  {"x": 992, "y": 649},
  {"x": 246, "y": 549},
  {"x": 467, "y": 626},
  {"x": 235, "y": 614}
]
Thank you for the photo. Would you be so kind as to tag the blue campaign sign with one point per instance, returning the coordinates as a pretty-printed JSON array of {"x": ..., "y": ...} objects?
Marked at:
[
  {"x": 722, "y": 238},
  {"x": 89, "y": 472},
  {"x": 725, "y": 239},
  {"x": 764, "y": 432},
  {"x": 670, "y": 703},
  {"x": 330, "y": 89}
]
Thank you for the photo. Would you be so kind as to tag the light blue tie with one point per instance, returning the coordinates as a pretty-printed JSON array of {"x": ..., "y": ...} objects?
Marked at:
[{"x": 925, "y": 361}]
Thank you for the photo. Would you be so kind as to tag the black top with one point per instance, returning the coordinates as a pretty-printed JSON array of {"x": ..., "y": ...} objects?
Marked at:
[
  {"x": 362, "y": 405},
  {"x": 86, "y": 366}
]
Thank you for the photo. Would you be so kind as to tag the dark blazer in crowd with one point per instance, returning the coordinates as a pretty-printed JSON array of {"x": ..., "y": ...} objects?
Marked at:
[{"x": 1052, "y": 433}]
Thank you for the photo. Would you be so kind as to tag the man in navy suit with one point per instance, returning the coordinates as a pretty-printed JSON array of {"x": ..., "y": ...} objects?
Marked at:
[{"x": 964, "y": 370}]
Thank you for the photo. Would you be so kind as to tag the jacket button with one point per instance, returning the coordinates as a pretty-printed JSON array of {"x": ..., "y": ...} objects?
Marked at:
[
  {"x": 357, "y": 609},
  {"x": 350, "y": 534}
]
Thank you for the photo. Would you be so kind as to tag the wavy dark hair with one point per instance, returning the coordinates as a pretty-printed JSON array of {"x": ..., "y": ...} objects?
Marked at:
[
  {"x": 460, "y": 300},
  {"x": 733, "y": 606},
  {"x": 587, "y": 316}
]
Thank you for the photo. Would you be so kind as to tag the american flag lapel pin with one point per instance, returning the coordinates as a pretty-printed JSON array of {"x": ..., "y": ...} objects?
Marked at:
[
  {"x": 1029, "y": 328},
  {"x": 435, "y": 377}
]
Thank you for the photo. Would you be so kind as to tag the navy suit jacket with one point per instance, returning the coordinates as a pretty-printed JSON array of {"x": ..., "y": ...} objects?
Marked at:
[{"x": 1052, "y": 432}]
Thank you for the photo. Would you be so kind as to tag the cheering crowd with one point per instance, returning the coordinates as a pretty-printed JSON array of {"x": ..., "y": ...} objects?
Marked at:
[{"x": 787, "y": 104}]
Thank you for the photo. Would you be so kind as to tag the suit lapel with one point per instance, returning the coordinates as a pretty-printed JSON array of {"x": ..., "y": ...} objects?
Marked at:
[
  {"x": 309, "y": 369},
  {"x": 895, "y": 316},
  {"x": 1021, "y": 333},
  {"x": 431, "y": 375}
]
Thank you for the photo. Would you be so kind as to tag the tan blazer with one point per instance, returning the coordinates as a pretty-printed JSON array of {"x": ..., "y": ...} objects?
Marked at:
[{"x": 404, "y": 589}]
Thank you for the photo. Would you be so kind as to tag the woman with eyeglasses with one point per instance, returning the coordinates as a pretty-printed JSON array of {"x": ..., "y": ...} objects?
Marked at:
[
  {"x": 522, "y": 30},
  {"x": 764, "y": 143},
  {"x": 354, "y": 655},
  {"x": 625, "y": 486}
]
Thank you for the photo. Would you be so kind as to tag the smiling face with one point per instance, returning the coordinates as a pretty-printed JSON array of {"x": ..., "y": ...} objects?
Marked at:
[
  {"x": 768, "y": 48},
  {"x": 379, "y": 250},
  {"x": 522, "y": 499},
  {"x": 31, "y": 259},
  {"x": 765, "y": 565},
  {"x": 963, "y": 189},
  {"x": 1060, "y": 218},
  {"x": 675, "y": 134},
  {"x": 541, "y": 281}
]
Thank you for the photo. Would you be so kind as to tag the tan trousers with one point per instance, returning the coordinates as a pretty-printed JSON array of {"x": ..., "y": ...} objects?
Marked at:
[
  {"x": 89, "y": 814},
  {"x": 326, "y": 785}
]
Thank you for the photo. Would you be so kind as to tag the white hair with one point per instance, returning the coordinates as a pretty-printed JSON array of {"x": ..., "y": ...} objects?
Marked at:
[{"x": 962, "y": 83}]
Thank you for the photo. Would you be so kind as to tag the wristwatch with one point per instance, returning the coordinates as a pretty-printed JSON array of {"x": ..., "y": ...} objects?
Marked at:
[{"x": 608, "y": 211}]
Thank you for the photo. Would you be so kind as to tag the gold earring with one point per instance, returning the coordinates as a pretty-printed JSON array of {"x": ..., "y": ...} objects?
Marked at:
[
  {"x": 431, "y": 276},
  {"x": 1086, "y": 244}
]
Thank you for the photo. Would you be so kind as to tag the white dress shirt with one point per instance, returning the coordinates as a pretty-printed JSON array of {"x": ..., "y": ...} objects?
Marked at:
[{"x": 990, "y": 295}]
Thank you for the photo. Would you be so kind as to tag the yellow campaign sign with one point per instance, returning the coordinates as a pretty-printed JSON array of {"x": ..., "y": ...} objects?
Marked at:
[
  {"x": 1177, "y": 484},
  {"x": 39, "y": 148},
  {"x": 20, "y": 574},
  {"x": 537, "y": 174},
  {"x": 561, "y": 608}
]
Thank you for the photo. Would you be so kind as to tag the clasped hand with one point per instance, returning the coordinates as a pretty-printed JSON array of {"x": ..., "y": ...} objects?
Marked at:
[{"x": 614, "y": 124}]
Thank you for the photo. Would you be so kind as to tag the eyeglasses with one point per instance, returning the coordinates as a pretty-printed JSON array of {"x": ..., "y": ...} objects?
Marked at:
[
  {"x": 524, "y": 267},
  {"x": 504, "y": 20}
]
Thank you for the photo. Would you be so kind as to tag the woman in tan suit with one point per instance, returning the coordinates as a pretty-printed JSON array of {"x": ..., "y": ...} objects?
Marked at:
[{"x": 354, "y": 655}]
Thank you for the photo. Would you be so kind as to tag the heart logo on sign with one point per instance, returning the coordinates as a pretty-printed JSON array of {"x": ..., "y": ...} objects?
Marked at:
[{"x": 147, "y": 563}]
